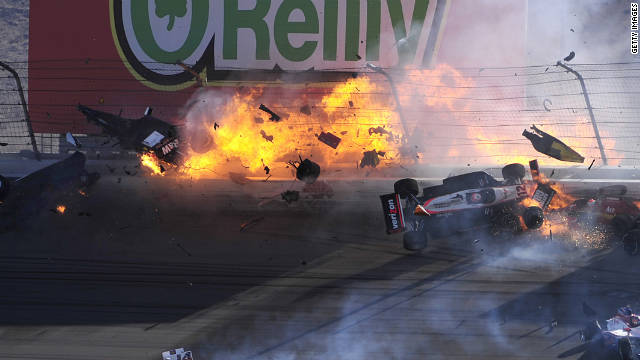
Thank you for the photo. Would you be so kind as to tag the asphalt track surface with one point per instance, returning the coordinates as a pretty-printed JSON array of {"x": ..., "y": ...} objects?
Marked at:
[{"x": 145, "y": 265}]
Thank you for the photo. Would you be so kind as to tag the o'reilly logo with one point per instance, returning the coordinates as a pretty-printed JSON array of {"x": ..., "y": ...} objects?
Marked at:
[{"x": 230, "y": 35}]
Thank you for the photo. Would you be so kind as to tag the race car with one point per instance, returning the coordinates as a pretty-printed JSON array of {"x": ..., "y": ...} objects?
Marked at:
[
  {"x": 611, "y": 208},
  {"x": 619, "y": 341},
  {"x": 464, "y": 202},
  {"x": 26, "y": 196},
  {"x": 143, "y": 135}
]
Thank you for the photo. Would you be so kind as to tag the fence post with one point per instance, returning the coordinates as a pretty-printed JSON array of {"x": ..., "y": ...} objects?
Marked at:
[
  {"x": 24, "y": 108},
  {"x": 380, "y": 70},
  {"x": 588, "y": 102}
]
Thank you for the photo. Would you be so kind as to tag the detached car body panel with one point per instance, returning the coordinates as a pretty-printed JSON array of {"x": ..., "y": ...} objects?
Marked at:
[{"x": 143, "y": 135}]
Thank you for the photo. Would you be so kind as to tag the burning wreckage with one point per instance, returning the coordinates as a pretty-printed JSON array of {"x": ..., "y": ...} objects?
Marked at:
[
  {"x": 472, "y": 199},
  {"x": 22, "y": 198},
  {"x": 507, "y": 207},
  {"x": 144, "y": 135}
]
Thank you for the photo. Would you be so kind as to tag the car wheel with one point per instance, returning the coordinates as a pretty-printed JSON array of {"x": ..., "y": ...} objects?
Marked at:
[
  {"x": 513, "y": 171},
  {"x": 533, "y": 217},
  {"x": 631, "y": 242},
  {"x": 415, "y": 240},
  {"x": 622, "y": 223},
  {"x": 4, "y": 187},
  {"x": 404, "y": 187}
]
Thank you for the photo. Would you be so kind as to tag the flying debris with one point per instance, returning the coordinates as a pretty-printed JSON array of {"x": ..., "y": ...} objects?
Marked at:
[
  {"x": 378, "y": 130},
  {"x": 274, "y": 117},
  {"x": 265, "y": 136},
  {"x": 370, "y": 158},
  {"x": 549, "y": 145},
  {"x": 143, "y": 135},
  {"x": 570, "y": 56},
  {"x": 329, "y": 139},
  {"x": 72, "y": 140},
  {"x": 306, "y": 170}
]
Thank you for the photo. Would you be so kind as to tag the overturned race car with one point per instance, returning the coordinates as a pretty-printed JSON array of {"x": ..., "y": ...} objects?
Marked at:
[
  {"x": 620, "y": 340},
  {"x": 463, "y": 202}
]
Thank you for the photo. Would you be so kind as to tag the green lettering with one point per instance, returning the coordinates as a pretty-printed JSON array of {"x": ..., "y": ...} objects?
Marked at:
[
  {"x": 330, "y": 41},
  {"x": 374, "y": 11},
  {"x": 144, "y": 34},
  {"x": 282, "y": 27},
  {"x": 407, "y": 45},
  {"x": 352, "y": 36},
  {"x": 235, "y": 19}
]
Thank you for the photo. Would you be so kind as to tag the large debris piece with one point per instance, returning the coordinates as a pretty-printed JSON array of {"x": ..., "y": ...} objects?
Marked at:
[
  {"x": 306, "y": 170},
  {"x": 274, "y": 116},
  {"x": 370, "y": 158},
  {"x": 550, "y": 145},
  {"x": 143, "y": 135},
  {"x": 329, "y": 139}
]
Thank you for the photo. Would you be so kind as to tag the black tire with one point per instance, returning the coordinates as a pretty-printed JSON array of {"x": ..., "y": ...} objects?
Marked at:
[
  {"x": 513, "y": 171},
  {"x": 308, "y": 171},
  {"x": 404, "y": 187},
  {"x": 434, "y": 191},
  {"x": 533, "y": 217},
  {"x": 613, "y": 190},
  {"x": 415, "y": 240},
  {"x": 622, "y": 223},
  {"x": 5, "y": 187},
  {"x": 631, "y": 242}
]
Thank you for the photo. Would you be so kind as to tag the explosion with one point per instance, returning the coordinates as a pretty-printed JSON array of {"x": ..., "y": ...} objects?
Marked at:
[
  {"x": 227, "y": 132},
  {"x": 247, "y": 140}
]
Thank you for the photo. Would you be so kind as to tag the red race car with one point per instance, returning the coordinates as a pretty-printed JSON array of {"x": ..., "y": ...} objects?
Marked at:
[{"x": 612, "y": 208}]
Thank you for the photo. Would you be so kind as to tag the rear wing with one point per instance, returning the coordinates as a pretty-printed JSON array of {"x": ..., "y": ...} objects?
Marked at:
[{"x": 393, "y": 215}]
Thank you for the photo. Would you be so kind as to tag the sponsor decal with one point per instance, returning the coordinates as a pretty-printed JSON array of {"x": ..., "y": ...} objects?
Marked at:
[
  {"x": 168, "y": 146},
  {"x": 219, "y": 37},
  {"x": 393, "y": 215},
  {"x": 543, "y": 195}
]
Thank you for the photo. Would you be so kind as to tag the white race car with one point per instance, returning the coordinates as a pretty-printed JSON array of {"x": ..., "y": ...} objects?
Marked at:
[{"x": 619, "y": 341}]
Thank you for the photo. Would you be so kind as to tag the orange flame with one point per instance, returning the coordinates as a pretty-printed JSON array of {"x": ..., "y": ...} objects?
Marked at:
[
  {"x": 245, "y": 139},
  {"x": 151, "y": 162},
  {"x": 61, "y": 209}
]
